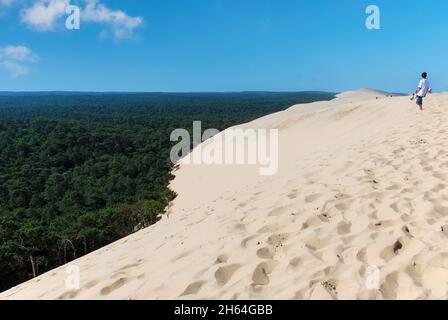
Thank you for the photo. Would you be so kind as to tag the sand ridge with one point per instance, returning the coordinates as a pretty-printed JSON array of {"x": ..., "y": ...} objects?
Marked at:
[{"x": 362, "y": 187}]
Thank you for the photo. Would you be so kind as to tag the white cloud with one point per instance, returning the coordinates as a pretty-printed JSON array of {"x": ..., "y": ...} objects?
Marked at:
[
  {"x": 46, "y": 15},
  {"x": 121, "y": 24},
  {"x": 18, "y": 53},
  {"x": 16, "y": 60},
  {"x": 43, "y": 15},
  {"x": 15, "y": 69}
]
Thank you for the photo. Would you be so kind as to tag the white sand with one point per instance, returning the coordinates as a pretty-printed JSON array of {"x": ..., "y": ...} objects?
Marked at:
[{"x": 362, "y": 183}]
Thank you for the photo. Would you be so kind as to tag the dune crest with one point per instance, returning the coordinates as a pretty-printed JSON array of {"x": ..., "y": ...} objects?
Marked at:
[
  {"x": 357, "y": 210},
  {"x": 365, "y": 94}
]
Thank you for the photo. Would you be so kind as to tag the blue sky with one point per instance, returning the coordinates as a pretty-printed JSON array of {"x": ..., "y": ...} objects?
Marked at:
[{"x": 223, "y": 45}]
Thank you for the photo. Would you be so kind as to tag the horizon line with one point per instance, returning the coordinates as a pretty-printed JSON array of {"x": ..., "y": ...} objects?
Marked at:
[{"x": 137, "y": 92}]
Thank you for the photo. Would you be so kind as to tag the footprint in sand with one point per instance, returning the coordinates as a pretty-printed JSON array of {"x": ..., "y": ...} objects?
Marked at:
[
  {"x": 193, "y": 288},
  {"x": 403, "y": 207},
  {"x": 249, "y": 241},
  {"x": 91, "y": 284},
  {"x": 224, "y": 274},
  {"x": 344, "y": 227},
  {"x": 295, "y": 262},
  {"x": 397, "y": 284},
  {"x": 266, "y": 253},
  {"x": 277, "y": 240},
  {"x": 68, "y": 295},
  {"x": 262, "y": 271},
  {"x": 392, "y": 251},
  {"x": 293, "y": 194},
  {"x": 317, "y": 244},
  {"x": 341, "y": 206},
  {"x": 280, "y": 211},
  {"x": 114, "y": 286},
  {"x": 312, "y": 197},
  {"x": 223, "y": 258},
  {"x": 439, "y": 187},
  {"x": 393, "y": 187},
  {"x": 240, "y": 227}
]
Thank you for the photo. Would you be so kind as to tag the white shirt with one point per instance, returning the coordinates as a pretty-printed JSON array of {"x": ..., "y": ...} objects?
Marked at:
[{"x": 424, "y": 88}]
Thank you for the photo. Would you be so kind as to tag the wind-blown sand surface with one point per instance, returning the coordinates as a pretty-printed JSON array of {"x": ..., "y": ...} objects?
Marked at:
[{"x": 362, "y": 182}]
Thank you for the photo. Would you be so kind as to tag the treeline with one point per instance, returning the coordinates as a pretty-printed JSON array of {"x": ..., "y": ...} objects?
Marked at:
[{"x": 79, "y": 171}]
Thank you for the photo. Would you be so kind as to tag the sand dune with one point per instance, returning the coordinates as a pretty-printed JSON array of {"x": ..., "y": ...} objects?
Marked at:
[{"x": 357, "y": 210}]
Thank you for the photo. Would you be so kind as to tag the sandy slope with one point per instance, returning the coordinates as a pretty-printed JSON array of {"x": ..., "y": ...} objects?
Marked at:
[{"x": 362, "y": 183}]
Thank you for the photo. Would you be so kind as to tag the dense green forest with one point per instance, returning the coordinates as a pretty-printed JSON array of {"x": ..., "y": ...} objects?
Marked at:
[{"x": 79, "y": 171}]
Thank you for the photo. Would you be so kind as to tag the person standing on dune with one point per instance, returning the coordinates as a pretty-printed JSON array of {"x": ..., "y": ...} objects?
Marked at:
[{"x": 422, "y": 90}]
